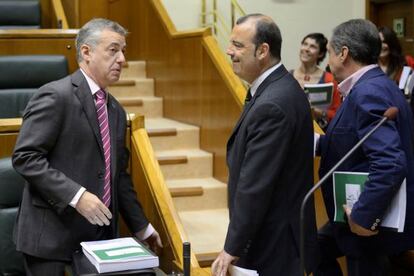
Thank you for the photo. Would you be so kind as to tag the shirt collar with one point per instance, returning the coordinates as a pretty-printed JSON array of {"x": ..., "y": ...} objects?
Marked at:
[
  {"x": 257, "y": 82},
  {"x": 91, "y": 83},
  {"x": 346, "y": 85}
]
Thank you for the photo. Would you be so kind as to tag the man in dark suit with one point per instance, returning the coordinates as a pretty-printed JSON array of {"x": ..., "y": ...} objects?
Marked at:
[
  {"x": 269, "y": 156},
  {"x": 71, "y": 151},
  {"x": 387, "y": 156}
]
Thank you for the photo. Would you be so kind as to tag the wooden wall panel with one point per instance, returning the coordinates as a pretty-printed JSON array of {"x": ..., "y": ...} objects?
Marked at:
[
  {"x": 45, "y": 9},
  {"x": 7, "y": 142},
  {"x": 71, "y": 8},
  {"x": 219, "y": 113},
  {"x": 382, "y": 14},
  {"x": 192, "y": 88},
  {"x": 90, "y": 9},
  {"x": 33, "y": 42}
]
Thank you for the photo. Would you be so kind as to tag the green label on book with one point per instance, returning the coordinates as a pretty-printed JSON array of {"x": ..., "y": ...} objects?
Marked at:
[{"x": 120, "y": 253}]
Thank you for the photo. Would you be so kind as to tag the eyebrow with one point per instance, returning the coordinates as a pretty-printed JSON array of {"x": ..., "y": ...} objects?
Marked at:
[
  {"x": 237, "y": 43},
  {"x": 116, "y": 44}
]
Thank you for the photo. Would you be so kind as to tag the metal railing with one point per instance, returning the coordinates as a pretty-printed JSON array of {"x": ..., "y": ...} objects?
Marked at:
[{"x": 221, "y": 19}]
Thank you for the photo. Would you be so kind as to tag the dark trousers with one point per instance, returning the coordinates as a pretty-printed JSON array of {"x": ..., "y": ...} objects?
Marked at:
[
  {"x": 363, "y": 265},
  {"x": 40, "y": 267},
  {"x": 36, "y": 266}
]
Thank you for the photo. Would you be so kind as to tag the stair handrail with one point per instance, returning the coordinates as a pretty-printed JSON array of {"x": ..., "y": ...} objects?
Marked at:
[
  {"x": 61, "y": 21},
  {"x": 221, "y": 28},
  {"x": 168, "y": 223}
]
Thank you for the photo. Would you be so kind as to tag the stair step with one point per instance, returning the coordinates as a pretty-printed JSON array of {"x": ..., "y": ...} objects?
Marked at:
[
  {"x": 162, "y": 132},
  {"x": 206, "y": 230},
  {"x": 214, "y": 194},
  {"x": 150, "y": 107},
  {"x": 206, "y": 259},
  {"x": 124, "y": 83},
  {"x": 134, "y": 69},
  {"x": 186, "y": 191},
  {"x": 198, "y": 165},
  {"x": 185, "y": 137},
  {"x": 132, "y": 87},
  {"x": 172, "y": 160},
  {"x": 131, "y": 101}
]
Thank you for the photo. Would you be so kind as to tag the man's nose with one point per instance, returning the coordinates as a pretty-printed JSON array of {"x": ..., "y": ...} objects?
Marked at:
[
  {"x": 121, "y": 57},
  {"x": 229, "y": 51}
]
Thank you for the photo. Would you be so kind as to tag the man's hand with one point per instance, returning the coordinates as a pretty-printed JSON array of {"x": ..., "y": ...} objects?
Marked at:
[
  {"x": 93, "y": 209},
  {"x": 154, "y": 242},
  {"x": 221, "y": 265},
  {"x": 356, "y": 228}
]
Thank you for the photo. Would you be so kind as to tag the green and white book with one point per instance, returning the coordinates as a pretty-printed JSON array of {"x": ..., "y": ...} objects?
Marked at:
[
  {"x": 319, "y": 94},
  {"x": 347, "y": 187},
  {"x": 119, "y": 255}
]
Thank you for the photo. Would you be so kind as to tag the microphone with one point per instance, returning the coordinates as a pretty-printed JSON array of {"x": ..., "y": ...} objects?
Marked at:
[
  {"x": 186, "y": 258},
  {"x": 389, "y": 114}
]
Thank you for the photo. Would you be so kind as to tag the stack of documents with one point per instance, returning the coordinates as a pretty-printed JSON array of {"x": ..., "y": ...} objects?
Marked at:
[{"x": 118, "y": 255}]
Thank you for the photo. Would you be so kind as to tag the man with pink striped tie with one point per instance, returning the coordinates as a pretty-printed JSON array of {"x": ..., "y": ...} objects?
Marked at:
[{"x": 71, "y": 151}]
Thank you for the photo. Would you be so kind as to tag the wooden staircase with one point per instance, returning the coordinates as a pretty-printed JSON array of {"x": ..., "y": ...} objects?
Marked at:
[{"x": 200, "y": 199}]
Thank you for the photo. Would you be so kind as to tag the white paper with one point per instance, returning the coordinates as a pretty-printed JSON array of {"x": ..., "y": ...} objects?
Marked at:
[
  {"x": 239, "y": 271},
  {"x": 395, "y": 214},
  {"x": 352, "y": 193},
  {"x": 404, "y": 76},
  {"x": 408, "y": 90}
]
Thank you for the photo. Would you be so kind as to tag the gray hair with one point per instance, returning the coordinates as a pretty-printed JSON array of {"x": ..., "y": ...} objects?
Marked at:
[
  {"x": 362, "y": 39},
  {"x": 90, "y": 33}
]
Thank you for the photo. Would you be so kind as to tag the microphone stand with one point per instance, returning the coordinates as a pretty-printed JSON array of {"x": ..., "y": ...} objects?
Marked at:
[{"x": 389, "y": 114}]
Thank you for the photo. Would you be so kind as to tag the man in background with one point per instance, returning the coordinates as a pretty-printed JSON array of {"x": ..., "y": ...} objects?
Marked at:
[
  {"x": 387, "y": 155},
  {"x": 270, "y": 158},
  {"x": 71, "y": 151}
]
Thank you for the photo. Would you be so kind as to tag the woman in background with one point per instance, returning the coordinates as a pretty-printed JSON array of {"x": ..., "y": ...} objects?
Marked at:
[
  {"x": 311, "y": 54},
  {"x": 391, "y": 59}
]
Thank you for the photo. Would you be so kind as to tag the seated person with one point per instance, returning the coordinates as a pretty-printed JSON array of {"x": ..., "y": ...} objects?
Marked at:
[{"x": 312, "y": 52}]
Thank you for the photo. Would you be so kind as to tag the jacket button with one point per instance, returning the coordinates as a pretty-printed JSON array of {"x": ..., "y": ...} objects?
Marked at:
[
  {"x": 100, "y": 175},
  {"x": 372, "y": 228},
  {"x": 377, "y": 220}
]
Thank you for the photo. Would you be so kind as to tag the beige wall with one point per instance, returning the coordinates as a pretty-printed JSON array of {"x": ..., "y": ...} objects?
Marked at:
[{"x": 296, "y": 18}]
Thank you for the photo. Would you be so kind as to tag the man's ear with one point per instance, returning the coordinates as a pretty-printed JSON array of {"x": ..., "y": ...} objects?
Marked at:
[
  {"x": 344, "y": 53},
  {"x": 263, "y": 50},
  {"x": 85, "y": 51}
]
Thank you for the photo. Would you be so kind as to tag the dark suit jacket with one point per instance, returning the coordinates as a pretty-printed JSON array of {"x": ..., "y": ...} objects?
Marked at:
[
  {"x": 58, "y": 150},
  {"x": 270, "y": 160},
  {"x": 387, "y": 156}
]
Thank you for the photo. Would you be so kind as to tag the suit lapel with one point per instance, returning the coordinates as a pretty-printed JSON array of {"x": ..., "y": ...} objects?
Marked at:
[
  {"x": 274, "y": 76},
  {"x": 84, "y": 95},
  {"x": 372, "y": 73},
  {"x": 333, "y": 123}
]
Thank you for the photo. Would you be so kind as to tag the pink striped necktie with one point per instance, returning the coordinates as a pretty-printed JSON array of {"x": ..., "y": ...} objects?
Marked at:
[{"x": 102, "y": 114}]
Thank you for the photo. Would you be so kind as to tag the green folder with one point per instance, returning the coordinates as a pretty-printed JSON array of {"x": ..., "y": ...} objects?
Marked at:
[
  {"x": 344, "y": 182},
  {"x": 347, "y": 187}
]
